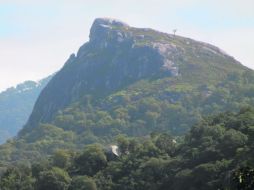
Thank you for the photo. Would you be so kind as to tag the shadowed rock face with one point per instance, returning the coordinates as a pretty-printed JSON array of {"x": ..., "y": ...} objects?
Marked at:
[{"x": 116, "y": 56}]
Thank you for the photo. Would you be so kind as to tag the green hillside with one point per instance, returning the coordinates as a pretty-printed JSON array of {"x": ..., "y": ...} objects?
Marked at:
[{"x": 130, "y": 81}]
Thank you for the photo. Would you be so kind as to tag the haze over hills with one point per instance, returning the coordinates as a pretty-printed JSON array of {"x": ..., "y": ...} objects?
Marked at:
[
  {"x": 131, "y": 81},
  {"x": 16, "y": 104}
]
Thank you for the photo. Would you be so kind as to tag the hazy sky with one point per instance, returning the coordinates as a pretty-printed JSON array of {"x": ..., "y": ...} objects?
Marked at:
[{"x": 37, "y": 36}]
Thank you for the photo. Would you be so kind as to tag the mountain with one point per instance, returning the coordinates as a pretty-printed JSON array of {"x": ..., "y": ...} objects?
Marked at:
[
  {"x": 119, "y": 57},
  {"x": 132, "y": 81},
  {"x": 16, "y": 104}
]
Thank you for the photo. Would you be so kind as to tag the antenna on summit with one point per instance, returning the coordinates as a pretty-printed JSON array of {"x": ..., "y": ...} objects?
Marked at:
[{"x": 174, "y": 31}]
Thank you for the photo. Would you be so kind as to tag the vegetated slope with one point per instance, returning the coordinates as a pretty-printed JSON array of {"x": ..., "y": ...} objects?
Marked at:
[
  {"x": 131, "y": 81},
  {"x": 119, "y": 57},
  {"x": 217, "y": 153},
  {"x": 16, "y": 104}
]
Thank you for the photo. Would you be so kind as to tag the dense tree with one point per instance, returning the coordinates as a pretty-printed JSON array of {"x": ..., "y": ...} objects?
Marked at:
[
  {"x": 217, "y": 153},
  {"x": 17, "y": 178},
  {"x": 82, "y": 183},
  {"x": 62, "y": 159},
  {"x": 166, "y": 143},
  {"x": 91, "y": 160},
  {"x": 243, "y": 179},
  {"x": 53, "y": 179}
]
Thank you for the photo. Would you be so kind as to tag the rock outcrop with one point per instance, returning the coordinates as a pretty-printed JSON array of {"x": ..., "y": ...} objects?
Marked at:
[{"x": 118, "y": 55}]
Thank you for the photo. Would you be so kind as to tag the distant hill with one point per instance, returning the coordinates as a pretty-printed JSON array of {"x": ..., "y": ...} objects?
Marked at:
[
  {"x": 16, "y": 105},
  {"x": 131, "y": 81}
]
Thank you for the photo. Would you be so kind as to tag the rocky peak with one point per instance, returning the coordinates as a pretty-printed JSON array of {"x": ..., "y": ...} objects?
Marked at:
[
  {"x": 107, "y": 22},
  {"x": 105, "y": 29},
  {"x": 117, "y": 56}
]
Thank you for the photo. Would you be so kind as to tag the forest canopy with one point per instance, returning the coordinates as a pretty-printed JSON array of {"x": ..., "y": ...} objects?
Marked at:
[{"x": 217, "y": 153}]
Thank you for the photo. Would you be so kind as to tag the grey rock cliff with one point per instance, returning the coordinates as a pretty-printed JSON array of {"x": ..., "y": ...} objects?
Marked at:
[
  {"x": 118, "y": 55},
  {"x": 106, "y": 30}
]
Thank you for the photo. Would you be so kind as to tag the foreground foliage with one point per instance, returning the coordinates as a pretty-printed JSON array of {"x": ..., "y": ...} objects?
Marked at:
[{"x": 217, "y": 153}]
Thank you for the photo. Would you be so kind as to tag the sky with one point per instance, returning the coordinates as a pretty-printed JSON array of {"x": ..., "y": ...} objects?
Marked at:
[{"x": 38, "y": 36}]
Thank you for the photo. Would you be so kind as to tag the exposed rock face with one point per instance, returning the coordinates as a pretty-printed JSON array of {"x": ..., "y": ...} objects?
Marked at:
[
  {"x": 116, "y": 56},
  {"x": 115, "y": 150},
  {"x": 105, "y": 30},
  {"x": 168, "y": 51}
]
